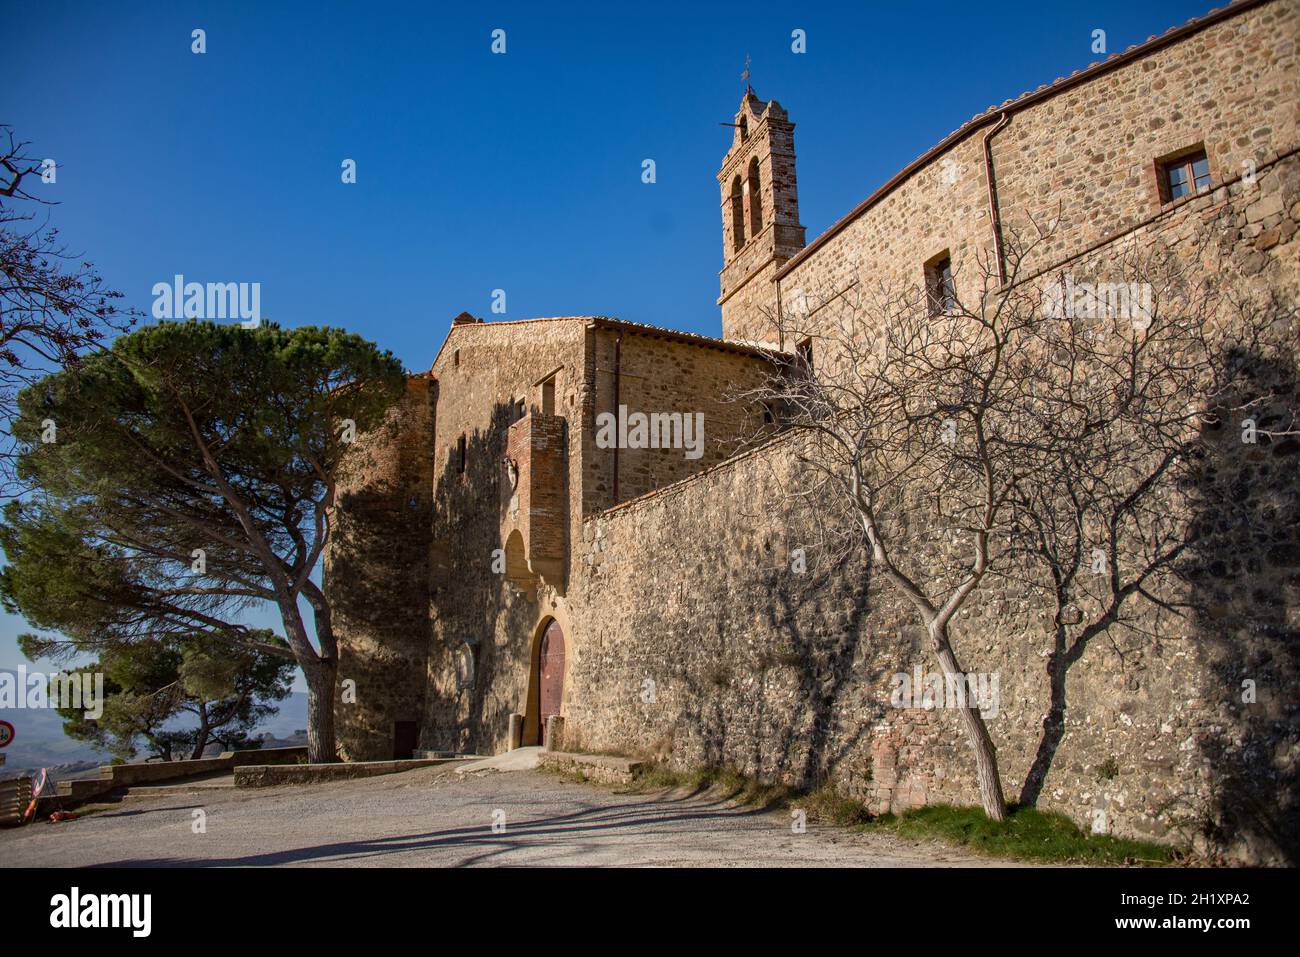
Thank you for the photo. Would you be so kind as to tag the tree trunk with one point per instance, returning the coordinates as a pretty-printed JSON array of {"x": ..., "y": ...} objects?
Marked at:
[
  {"x": 1053, "y": 731},
  {"x": 986, "y": 756},
  {"x": 322, "y": 679},
  {"x": 201, "y": 737},
  {"x": 321, "y": 672}
]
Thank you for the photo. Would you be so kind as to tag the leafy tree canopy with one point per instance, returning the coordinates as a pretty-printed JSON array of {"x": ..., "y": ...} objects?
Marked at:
[
  {"x": 150, "y": 686},
  {"x": 185, "y": 474}
]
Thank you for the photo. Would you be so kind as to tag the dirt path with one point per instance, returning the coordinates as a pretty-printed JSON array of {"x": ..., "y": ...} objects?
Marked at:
[{"x": 434, "y": 818}]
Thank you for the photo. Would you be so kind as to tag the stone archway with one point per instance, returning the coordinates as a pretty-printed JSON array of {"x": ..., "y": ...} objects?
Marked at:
[{"x": 517, "y": 572}]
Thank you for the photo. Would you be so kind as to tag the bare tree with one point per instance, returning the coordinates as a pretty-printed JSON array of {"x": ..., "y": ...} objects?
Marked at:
[
  {"x": 1132, "y": 396},
  {"x": 54, "y": 306},
  {"x": 979, "y": 428}
]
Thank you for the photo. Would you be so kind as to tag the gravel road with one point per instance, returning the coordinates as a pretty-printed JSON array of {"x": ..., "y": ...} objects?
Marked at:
[{"x": 434, "y": 818}]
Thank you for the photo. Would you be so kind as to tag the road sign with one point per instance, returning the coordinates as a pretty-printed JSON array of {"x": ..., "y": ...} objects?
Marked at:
[{"x": 6, "y": 734}]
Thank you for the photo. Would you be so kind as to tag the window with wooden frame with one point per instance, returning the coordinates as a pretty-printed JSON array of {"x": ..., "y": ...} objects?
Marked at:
[
  {"x": 939, "y": 288},
  {"x": 1184, "y": 174}
]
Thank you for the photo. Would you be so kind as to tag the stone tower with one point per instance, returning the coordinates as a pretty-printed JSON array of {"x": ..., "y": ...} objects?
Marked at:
[
  {"x": 760, "y": 217},
  {"x": 377, "y": 573}
]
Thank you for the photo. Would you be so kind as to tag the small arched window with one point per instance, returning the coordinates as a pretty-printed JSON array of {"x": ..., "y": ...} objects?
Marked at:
[
  {"x": 737, "y": 214},
  {"x": 755, "y": 200},
  {"x": 464, "y": 667}
]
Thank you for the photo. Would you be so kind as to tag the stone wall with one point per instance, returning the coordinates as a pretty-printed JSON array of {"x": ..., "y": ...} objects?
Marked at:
[
  {"x": 722, "y": 653},
  {"x": 1086, "y": 156},
  {"x": 534, "y": 503},
  {"x": 270, "y": 776},
  {"x": 658, "y": 374},
  {"x": 377, "y": 576},
  {"x": 480, "y": 628},
  {"x": 693, "y": 637},
  {"x": 485, "y": 623}
]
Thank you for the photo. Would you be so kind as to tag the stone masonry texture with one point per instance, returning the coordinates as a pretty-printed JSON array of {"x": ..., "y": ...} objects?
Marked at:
[{"x": 487, "y": 508}]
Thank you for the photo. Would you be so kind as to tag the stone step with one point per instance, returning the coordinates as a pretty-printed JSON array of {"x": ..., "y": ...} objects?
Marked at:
[{"x": 606, "y": 768}]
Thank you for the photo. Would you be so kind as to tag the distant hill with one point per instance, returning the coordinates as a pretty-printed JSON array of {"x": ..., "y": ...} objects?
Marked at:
[
  {"x": 291, "y": 716},
  {"x": 39, "y": 741}
]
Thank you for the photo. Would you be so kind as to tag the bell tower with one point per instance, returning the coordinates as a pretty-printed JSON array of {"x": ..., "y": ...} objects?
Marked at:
[{"x": 760, "y": 217}]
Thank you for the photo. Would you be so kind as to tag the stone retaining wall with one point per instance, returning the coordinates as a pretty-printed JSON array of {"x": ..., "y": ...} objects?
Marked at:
[
  {"x": 269, "y": 776},
  {"x": 603, "y": 768}
]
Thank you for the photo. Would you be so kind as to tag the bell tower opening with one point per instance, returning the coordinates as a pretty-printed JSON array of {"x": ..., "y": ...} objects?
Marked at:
[
  {"x": 760, "y": 216},
  {"x": 737, "y": 215}
]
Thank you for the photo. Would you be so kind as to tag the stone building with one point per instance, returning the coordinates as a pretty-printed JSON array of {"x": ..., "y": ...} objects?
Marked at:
[{"x": 498, "y": 561}]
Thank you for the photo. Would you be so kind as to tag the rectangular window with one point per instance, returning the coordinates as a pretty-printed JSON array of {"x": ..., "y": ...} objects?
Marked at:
[
  {"x": 548, "y": 396},
  {"x": 520, "y": 410},
  {"x": 455, "y": 359},
  {"x": 1187, "y": 174},
  {"x": 460, "y": 455},
  {"x": 939, "y": 285}
]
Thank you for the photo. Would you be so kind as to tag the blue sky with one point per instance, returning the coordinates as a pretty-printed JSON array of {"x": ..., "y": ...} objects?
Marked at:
[{"x": 478, "y": 171}]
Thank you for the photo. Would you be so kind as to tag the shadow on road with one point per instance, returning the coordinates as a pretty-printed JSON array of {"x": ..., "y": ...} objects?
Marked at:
[{"x": 577, "y": 831}]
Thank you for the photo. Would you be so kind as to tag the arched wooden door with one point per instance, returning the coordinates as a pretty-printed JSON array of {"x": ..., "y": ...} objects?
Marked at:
[{"x": 550, "y": 676}]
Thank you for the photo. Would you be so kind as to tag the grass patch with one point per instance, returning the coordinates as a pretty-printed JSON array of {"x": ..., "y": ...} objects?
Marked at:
[
  {"x": 824, "y": 805},
  {"x": 729, "y": 784},
  {"x": 1027, "y": 834},
  {"x": 827, "y": 807}
]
